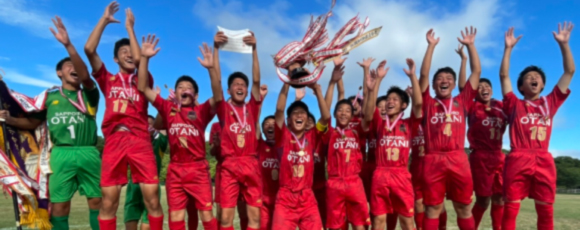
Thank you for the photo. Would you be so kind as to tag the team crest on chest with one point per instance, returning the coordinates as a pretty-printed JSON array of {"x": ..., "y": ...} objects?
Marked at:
[
  {"x": 455, "y": 104},
  {"x": 112, "y": 78},
  {"x": 55, "y": 102},
  {"x": 173, "y": 111},
  {"x": 192, "y": 115},
  {"x": 436, "y": 104},
  {"x": 402, "y": 128}
]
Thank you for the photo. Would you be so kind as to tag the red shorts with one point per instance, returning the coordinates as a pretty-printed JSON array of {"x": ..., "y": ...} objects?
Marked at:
[
  {"x": 240, "y": 174},
  {"x": 345, "y": 199},
  {"x": 447, "y": 172},
  {"x": 188, "y": 180},
  {"x": 392, "y": 192},
  {"x": 487, "y": 170},
  {"x": 123, "y": 149},
  {"x": 216, "y": 179},
  {"x": 366, "y": 174},
  {"x": 267, "y": 214},
  {"x": 320, "y": 195},
  {"x": 416, "y": 170},
  {"x": 530, "y": 173},
  {"x": 296, "y": 209}
]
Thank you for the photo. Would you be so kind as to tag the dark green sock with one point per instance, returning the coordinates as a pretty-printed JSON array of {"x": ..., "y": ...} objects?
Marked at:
[
  {"x": 94, "y": 219},
  {"x": 59, "y": 222}
]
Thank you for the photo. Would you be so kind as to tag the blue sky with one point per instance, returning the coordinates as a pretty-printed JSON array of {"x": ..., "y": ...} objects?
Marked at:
[{"x": 29, "y": 53}]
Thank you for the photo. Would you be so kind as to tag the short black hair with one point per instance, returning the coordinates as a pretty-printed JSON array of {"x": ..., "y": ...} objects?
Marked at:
[
  {"x": 526, "y": 71},
  {"x": 485, "y": 80},
  {"x": 402, "y": 94},
  {"x": 295, "y": 105},
  {"x": 122, "y": 42},
  {"x": 150, "y": 116},
  {"x": 448, "y": 70},
  {"x": 381, "y": 98},
  {"x": 351, "y": 98},
  {"x": 61, "y": 63},
  {"x": 310, "y": 115},
  {"x": 266, "y": 118},
  {"x": 235, "y": 75},
  {"x": 344, "y": 101},
  {"x": 188, "y": 79}
]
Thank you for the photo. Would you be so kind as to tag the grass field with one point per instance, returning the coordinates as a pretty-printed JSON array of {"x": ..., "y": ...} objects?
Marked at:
[{"x": 566, "y": 213}]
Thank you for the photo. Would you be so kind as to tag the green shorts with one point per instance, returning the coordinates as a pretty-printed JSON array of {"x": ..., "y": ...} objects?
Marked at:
[
  {"x": 134, "y": 206},
  {"x": 74, "y": 168}
]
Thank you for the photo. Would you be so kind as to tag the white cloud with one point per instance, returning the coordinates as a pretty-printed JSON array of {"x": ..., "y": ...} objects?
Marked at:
[
  {"x": 571, "y": 153},
  {"x": 16, "y": 77},
  {"x": 4, "y": 58},
  {"x": 403, "y": 35}
]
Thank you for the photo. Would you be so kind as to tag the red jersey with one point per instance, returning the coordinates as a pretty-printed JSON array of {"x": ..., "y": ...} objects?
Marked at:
[
  {"x": 531, "y": 121},
  {"x": 486, "y": 126},
  {"x": 393, "y": 146},
  {"x": 445, "y": 120},
  {"x": 355, "y": 124},
  {"x": 125, "y": 106},
  {"x": 237, "y": 141},
  {"x": 344, "y": 156},
  {"x": 418, "y": 139},
  {"x": 270, "y": 170},
  {"x": 296, "y": 171},
  {"x": 215, "y": 133},
  {"x": 185, "y": 129},
  {"x": 320, "y": 165},
  {"x": 371, "y": 138}
]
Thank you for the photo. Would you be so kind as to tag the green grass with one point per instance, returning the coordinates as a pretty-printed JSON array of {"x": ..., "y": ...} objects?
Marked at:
[{"x": 566, "y": 214}]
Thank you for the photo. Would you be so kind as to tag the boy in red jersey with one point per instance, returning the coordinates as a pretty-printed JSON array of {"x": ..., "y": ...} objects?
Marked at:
[
  {"x": 269, "y": 165},
  {"x": 239, "y": 172},
  {"x": 125, "y": 121},
  {"x": 529, "y": 168},
  {"x": 187, "y": 173},
  {"x": 295, "y": 202},
  {"x": 392, "y": 189},
  {"x": 446, "y": 167}
]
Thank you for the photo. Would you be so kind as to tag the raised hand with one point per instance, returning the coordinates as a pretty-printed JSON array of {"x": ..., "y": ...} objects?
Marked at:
[
  {"x": 250, "y": 40},
  {"x": 468, "y": 36},
  {"x": 300, "y": 93},
  {"x": 510, "y": 39},
  {"x": 110, "y": 11},
  {"x": 371, "y": 79},
  {"x": 366, "y": 63},
  {"x": 263, "y": 91},
  {"x": 315, "y": 87},
  {"x": 563, "y": 35},
  {"x": 459, "y": 51},
  {"x": 338, "y": 61},
  {"x": 219, "y": 39},
  {"x": 409, "y": 90},
  {"x": 60, "y": 34},
  {"x": 130, "y": 18},
  {"x": 431, "y": 40},
  {"x": 207, "y": 54},
  {"x": 411, "y": 71},
  {"x": 337, "y": 74},
  {"x": 148, "y": 46},
  {"x": 382, "y": 69},
  {"x": 157, "y": 90}
]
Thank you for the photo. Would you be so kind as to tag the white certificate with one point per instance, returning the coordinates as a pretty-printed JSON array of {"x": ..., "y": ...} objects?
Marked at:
[{"x": 236, "y": 40}]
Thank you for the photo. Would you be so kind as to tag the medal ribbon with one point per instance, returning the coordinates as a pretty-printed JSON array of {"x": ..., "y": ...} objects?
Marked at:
[
  {"x": 300, "y": 145},
  {"x": 127, "y": 90},
  {"x": 341, "y": 131},
  {"x": 388, "y": 122},
  {"x": 81, "y": 105},
  {"x": 546, "y": 111},
  {"x": 238, "y": 116},
  {"x": 447, "y": 110}
]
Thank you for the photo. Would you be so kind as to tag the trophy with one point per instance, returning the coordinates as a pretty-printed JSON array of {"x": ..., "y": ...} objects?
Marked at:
[{"x": 295, "y": 55}]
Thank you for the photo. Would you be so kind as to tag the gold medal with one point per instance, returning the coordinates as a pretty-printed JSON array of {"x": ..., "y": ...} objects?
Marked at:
[
  {"x": 301, "y": 153},
  {"x": 274, "y": 174},
  {"x": 448, "y": 119},
  {"x": 241, "y": 140}
]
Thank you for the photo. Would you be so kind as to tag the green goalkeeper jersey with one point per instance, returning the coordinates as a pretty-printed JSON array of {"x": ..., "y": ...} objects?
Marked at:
[{"x": 67, "y": 125}]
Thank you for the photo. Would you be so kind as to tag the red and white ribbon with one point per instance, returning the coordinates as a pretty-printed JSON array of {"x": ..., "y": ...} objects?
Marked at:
[
  {"x": 306, "y": 80},
  {"x": 388, "y": 124},
  {"x": 341, "y": 131},
  {"x": 243, "y": 124},
  {"x": 80, "y": 105},
  {"x": 544, "y": 110},
  {"x": 447, "y": 110},
  {"x": 300, "y": 145},
  {"x": 127, "y": 90}
]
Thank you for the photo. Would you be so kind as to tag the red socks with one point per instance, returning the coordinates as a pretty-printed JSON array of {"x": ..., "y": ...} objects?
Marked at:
[
  {"x": 392, "y": 221},
  {"x": 443, "y": 220},
  {"x": 419, "y": 216},
  {"x": 108, "y": 224},
  {"x": 477, "y": 213},
  {"x": 210, "y": 225},
  {"x": 431, "y": 224},
  {"x": 496, "y": 216},
  {"x": 156, "y": 223},
  {"x": 176, "y": 225},
  {"x": 545, "y": 216},
  {"x": 511, "y": 210},
  {"x": 466, "y": 224}
]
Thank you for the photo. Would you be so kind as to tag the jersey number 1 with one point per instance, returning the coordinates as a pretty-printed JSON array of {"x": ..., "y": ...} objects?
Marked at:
[{"x": 72, "y": 131}]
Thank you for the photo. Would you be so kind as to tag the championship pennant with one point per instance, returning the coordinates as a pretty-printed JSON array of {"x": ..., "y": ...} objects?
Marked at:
[{"x": 316, "y": 36}]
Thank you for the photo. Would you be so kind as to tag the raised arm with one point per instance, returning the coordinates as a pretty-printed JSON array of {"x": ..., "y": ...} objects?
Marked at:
[
  {"x": 337, "y": 74},
  {"x": 475, "y": 65},
  {"x": 218, "y": 40},
  {"x": 95, "y": 37},
  {"x": 426, "y": 66},
  {"x": 19, "y": 122},
  {"x": 130, "y": 25},
  {"x": 340, "y": 89},
  {"x": 147, "y": 52},
  {"x": 80, "y": 68},
  {"x": 281, "y": 105},
  {"x": 504, "y": 70},
  {"x": 251, "y": 41},
  {"x": 373, "y": 83},
  {"x": 324, "y": 110},
  {"x": 366, "y": 65},
  {"x": 417, "y": 99},
  {"x": 562, "y": 37},
  {"x": 263, "y": 93},
  {"x": 462, "y": 74},
  {"x": 208, "y": 63}
]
